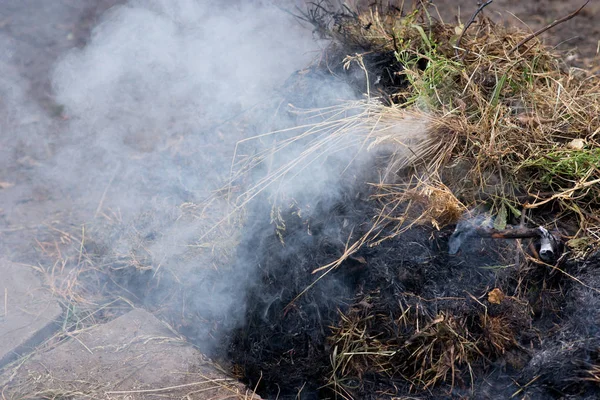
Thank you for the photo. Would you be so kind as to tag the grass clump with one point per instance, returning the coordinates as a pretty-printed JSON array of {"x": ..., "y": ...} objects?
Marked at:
[
  {"x": 566, "y": 166},
  {"x": 505, "y": 107},
  {"x": 421, "y": 346}
]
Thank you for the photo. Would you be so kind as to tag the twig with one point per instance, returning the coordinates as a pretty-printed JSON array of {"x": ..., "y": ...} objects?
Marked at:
[
  {"x": 256, "y": 386},
  {"x": 80, "y": 342},
  {"x": 523, "y": 387},
  {"x": 82, "y": 244},
  {"x": 103, "y": 197},
  {"x": 516, "y": 233},
  {"x": 480, "y": 9},
  {"x": 544, "y": 29},
  {"x": 566, "y": 193},
  {"x": 352, "y": 13}
]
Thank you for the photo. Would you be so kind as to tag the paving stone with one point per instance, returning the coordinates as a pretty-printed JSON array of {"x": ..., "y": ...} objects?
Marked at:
[
  {"x": 135, "y": 356},
  {"x": 28, "y": 314}
]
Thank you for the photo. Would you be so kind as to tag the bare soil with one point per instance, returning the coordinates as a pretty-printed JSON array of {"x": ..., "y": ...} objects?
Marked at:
[{"x": 122, "y": 359}]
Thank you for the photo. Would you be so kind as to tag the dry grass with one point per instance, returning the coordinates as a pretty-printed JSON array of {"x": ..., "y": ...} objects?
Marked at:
[
  {"x": 593, "y": 374},
  {"x": 488, "y": 123},
  {"x": 205, "y": 387},
  {"x": 510, "y": 113},
  {"x": 503, "y": 118},
  {"x": 423, "y": 201},
  {"x": 421, "y": 348}
]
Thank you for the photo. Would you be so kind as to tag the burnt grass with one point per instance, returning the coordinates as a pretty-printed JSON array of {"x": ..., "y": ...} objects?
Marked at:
[
  {"x": 402, "y": 296},
  {"x": 285, "y": 345}
]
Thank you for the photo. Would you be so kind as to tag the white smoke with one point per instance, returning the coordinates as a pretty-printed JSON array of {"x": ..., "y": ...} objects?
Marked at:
[
  {"x": 152, "y": 107},
  {"x": 153, "y": 81}
]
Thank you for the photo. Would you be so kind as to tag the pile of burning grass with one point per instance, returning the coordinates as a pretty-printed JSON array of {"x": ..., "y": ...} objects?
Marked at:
[
  {"x": 476, "y": 118},
  {"x": 513, "y": 130},
  {"x": 356, "y": 295},
  {"x": 486, "y": 114}
]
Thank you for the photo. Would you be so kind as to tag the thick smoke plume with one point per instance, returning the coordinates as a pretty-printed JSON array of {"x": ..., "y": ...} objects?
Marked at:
[
  {"x": 145, "y": 94},
  {"x": 156, "y": 99},
  {"x": 146, "y": 117}
]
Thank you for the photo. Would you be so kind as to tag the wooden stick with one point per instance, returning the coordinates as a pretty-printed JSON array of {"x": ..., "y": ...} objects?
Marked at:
[
  {"x": 515, "y": 233},
  {"x": 480, "y": 9},
  {"x": 548, "y": 243}
]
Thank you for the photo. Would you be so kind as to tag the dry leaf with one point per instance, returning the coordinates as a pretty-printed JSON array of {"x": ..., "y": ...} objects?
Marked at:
[
  {"x": 496, "y": 296},
  {"x": 529, "y": 119},
  {"x": 500, "y": 220}
]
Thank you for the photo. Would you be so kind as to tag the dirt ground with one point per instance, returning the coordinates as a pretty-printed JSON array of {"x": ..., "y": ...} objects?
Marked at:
[
  {"x": 125, "y": 359},
  {"x": 34, "y": 36}
]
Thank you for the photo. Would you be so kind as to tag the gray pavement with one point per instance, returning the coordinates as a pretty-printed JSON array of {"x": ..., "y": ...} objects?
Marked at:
[
  {"x": 135, "y": 356},
  {"x": 28, "y": 313}
]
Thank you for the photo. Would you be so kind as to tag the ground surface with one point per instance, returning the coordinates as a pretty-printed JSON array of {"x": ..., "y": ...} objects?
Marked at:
[
  {"x": 132, "y": 357},
  {"x": 34, "y": 35},
  {"x": 29, "y": 313}
]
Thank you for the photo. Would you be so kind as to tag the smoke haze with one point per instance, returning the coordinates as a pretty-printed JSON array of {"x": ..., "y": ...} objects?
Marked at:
[{"x": 139, "y": 130}]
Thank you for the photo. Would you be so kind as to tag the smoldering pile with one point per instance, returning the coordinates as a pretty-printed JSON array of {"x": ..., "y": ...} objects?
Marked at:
[
  {"x": 347, "y": 208},
  {"x": 356, "y": 294}
]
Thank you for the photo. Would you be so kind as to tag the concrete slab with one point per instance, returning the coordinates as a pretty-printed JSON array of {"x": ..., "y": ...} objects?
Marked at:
[
  {"x": 28, "y": 314},
  {"x": 132, "y": 357}
]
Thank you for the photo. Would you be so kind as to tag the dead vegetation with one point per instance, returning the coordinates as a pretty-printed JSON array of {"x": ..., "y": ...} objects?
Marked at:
[
  {"x": 473, "y": 119},
  {"x": 518, "y": 125},
  {"x": 486, "y": 115},
  {"x": 514, "y": 129}
]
